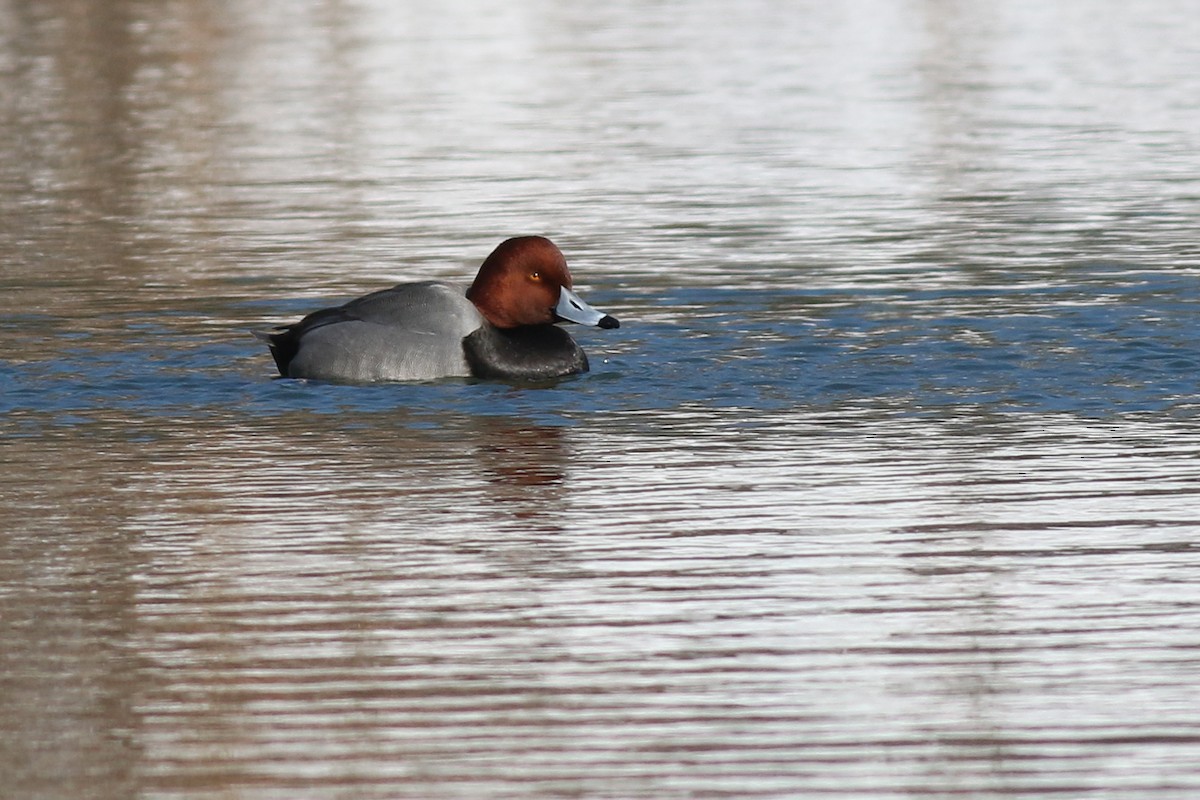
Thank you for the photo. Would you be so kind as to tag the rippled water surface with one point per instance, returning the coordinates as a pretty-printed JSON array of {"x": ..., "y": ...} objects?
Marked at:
[{"x": 888, "y": 485}]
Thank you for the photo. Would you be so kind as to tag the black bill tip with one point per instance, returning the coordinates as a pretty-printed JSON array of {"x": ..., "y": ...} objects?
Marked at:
[{"x": 608, "y": 321}]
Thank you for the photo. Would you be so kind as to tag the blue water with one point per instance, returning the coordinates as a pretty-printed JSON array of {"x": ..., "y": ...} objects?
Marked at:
[{"x": 1099, "y": 340}]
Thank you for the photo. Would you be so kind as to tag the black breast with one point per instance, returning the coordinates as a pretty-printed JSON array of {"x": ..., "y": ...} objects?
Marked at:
[{"x": 533, "y": 352}]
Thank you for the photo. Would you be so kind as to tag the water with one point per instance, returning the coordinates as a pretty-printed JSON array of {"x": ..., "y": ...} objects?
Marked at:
[{"x": 886, "y": 487}]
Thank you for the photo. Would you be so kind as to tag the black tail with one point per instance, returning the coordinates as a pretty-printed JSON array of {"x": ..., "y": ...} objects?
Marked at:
[{"x": 284, "y": 343}]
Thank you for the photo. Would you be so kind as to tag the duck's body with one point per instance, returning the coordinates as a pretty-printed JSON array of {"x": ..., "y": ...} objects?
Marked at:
[
  {"x": 501, "y": 327},
  {"x": 410, "y": 332}
]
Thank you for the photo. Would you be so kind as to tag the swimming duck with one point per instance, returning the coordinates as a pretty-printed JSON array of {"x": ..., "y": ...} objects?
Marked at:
[{"x": 501, "y": 327}]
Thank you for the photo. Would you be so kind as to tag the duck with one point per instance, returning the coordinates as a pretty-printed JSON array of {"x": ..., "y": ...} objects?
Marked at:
[{"x": 501, "y": 327}]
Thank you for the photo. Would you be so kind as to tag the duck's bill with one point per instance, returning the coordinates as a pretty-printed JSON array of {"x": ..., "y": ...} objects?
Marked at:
[{"x": 573, "y": 309}]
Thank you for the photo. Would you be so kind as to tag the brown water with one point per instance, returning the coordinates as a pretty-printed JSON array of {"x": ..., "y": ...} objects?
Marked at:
[{"x": 888, "y": 485}]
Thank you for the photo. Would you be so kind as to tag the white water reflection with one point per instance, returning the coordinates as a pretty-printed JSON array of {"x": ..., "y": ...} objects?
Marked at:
[
  {"x": 630, "y": 607},
  {"x": 533, "y": 613}
]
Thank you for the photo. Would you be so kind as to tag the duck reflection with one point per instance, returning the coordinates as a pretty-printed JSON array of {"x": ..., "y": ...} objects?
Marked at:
[{"x": 525, "y": 465}]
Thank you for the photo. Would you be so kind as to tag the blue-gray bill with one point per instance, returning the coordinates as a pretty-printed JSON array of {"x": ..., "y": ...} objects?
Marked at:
[{"x": 572, "y": 309}]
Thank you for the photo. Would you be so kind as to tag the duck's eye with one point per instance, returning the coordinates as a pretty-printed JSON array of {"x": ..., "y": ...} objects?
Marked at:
[{"x": 535, "y": 276}]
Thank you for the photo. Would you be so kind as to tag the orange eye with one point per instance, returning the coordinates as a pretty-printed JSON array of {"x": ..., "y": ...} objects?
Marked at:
[{"x": 535, "y": 276}]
